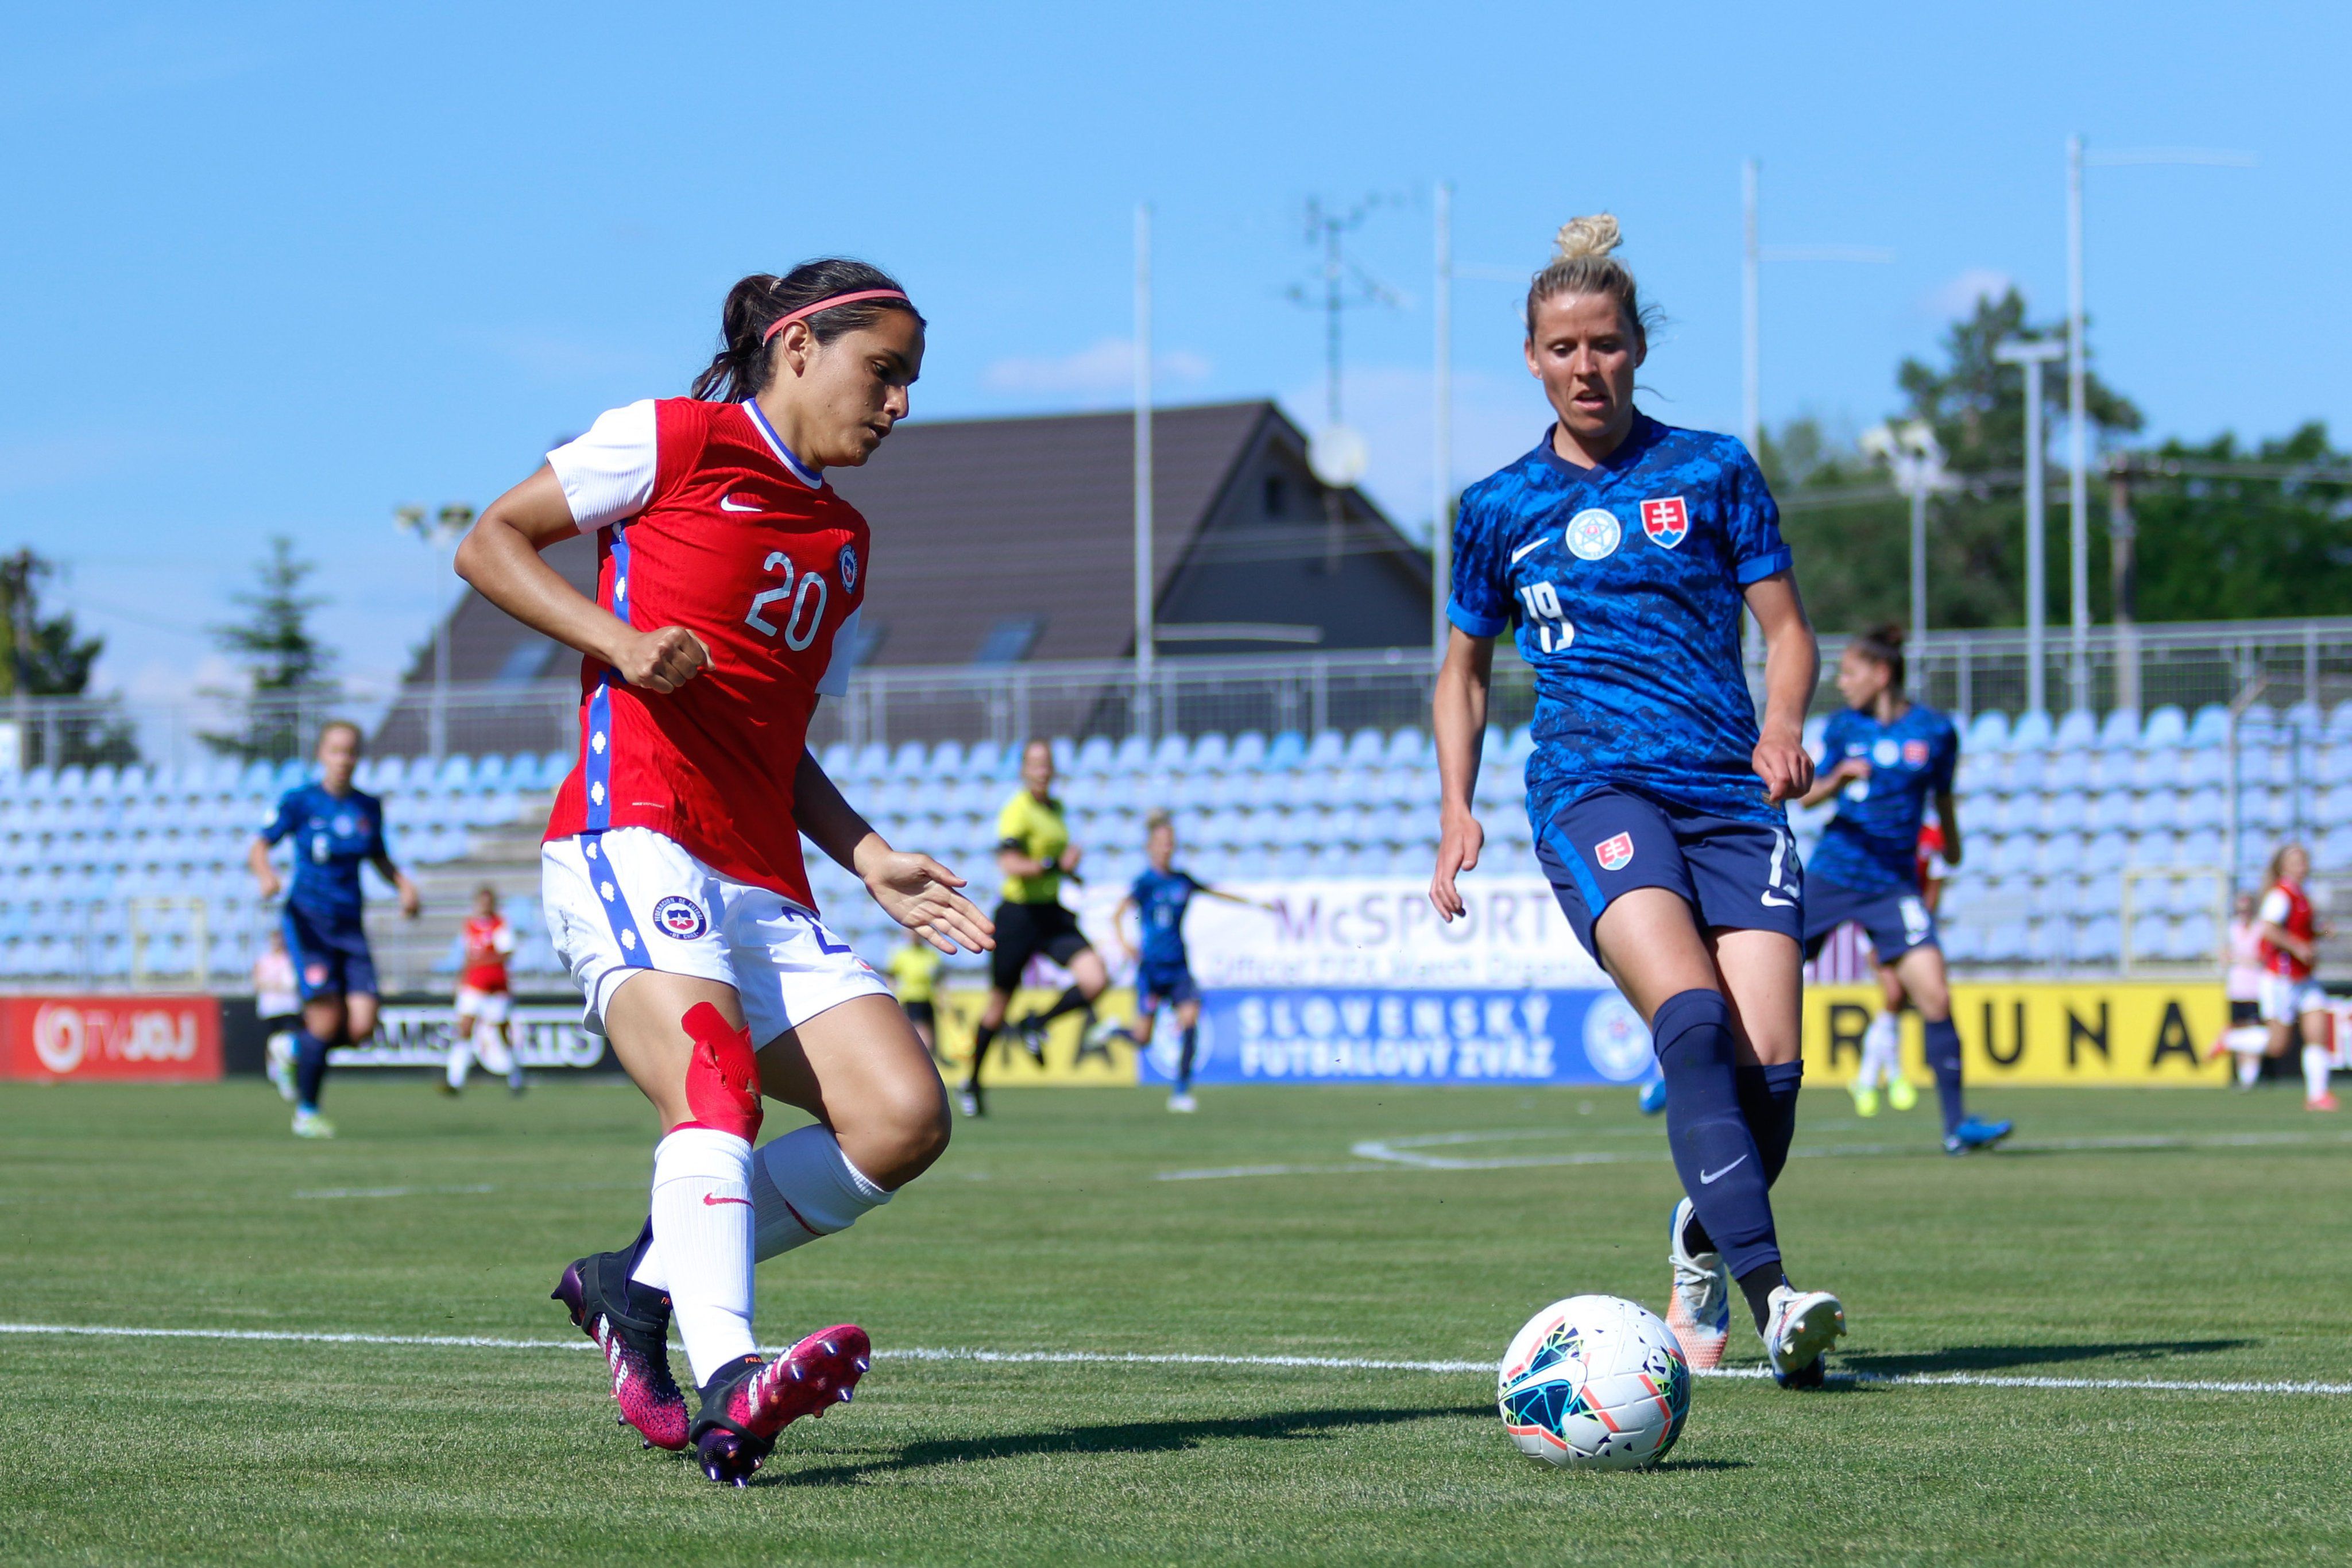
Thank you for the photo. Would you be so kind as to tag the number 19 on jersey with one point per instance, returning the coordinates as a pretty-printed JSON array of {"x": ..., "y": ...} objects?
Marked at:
[{"x": 1549, "y": 622}]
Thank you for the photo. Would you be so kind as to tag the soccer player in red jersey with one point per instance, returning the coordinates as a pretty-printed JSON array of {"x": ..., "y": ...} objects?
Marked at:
[
  {"x": 2293, "y": 1002},
  {"x": 728, "y": 583},
  {"x": 482, "y": 1000}
]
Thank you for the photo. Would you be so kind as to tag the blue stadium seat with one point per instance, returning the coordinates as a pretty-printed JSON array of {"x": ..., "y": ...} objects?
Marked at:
[
  {"x": 1172, "y": 753},
  {"x": 1285, "y": 751},
  {"x": 2167, "y": 725},
  {"x": 1328, "y": 749},
  {"x": 1520, "y": 746},
  {"x": 2303, "y": 718},
  {"x": 2205, "y": 768},
  {"x": 2339, "y": 721},
  {"x": 2191, "y": 939},
  {"x": 2061, "y": 894},
  {"x": 2027, "y": 770},
  {"x": 907, "y": 760},
  {"x": 554, "y": 767},
  {"x": 2062, "y": 854},
  {"x": 455, "y": 772},
  {"x": 1211, "y": 752},
  {"x": 2005, "y": 942},
  {"x": 2119, "y": 729},
  {"x": 1407, "y": 747},
  {"x": 2160, "y": 768},
  {"x": 836, "y": 760},
  {"x": 1989, "y": 731},
  {"x": 2067, "y": 770},
  {"x": 2077, "y": 731},
  {"x": 2049, "y": 941},
  {"x": 2112, "y": 771},
  {"x": 2157, "y": 811},
  {"x": 2106, "y": 852},
  {"x": 2067, "y": 812},
  {"x": 2014, "y": 854},
  {"x": 1963, "y": 944},
  {"x": 2158, "y": 847},
  {"x": 1248, "y": 754},
  {"x": 1133, "y": 756},
  {"x": 873, "y": 761},
  {"x": 2335, "y": 847},
  {"x": 2030, "y": 732},
  {"x": 2211, "y": 727},
  {"x": 490, "y": 771},
  {"x": 1365, "y": 748},
  {"x": 2098, "y": 940},
  {"x": 946, "y": 759}
]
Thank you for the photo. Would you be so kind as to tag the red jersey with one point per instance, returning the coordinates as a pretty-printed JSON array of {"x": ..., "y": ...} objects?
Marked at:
[
  {"x": 1930, "y": 845},
  {"x": 2285, "y": 907},
  {"x": 707, "y": 521},
  {"x": 488, "y": 943}
]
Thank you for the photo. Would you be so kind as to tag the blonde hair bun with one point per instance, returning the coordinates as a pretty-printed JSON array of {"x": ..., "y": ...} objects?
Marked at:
[{"x": 1594, "y": 236}]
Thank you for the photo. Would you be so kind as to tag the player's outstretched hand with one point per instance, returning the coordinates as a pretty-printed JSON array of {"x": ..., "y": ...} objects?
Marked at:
[
  {"x": 919, "y": 893},
  {"x": 1784, "y": 765},
  {"x": 268, "y": 884},
  {"x": 662, "y": 660},
  {"x": 1458, "y": 843}
]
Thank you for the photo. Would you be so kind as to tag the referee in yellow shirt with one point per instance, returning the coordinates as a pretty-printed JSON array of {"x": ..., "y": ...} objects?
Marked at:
[
  {"x": 914, "y": 971},
  {"x": 1034, "y": 853}
]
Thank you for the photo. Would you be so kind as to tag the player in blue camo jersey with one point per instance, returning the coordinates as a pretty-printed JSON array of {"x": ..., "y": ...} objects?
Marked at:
[
  {"x": 335, "y": 829},
  {"x": 1163, "y": 974},
  {"x": 1625, "y": 550},
  {"x": 1883, "y": 757}
]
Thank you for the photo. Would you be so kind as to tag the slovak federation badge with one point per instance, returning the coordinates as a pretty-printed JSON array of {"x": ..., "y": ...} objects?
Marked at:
[
  {"x": 1667, "y": 522},
  {"x": 1594, "y": 533},
  {"x": 1614, "y": 854}
]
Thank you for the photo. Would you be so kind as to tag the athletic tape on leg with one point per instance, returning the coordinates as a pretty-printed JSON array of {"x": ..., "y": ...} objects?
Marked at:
[{"x": 723, "y": 1075}]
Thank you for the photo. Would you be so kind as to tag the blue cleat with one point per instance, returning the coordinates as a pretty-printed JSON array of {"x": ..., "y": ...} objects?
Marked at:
[
  {"x": 1653, "y": 1098},
  {"x": 1972, "y": 1134}
]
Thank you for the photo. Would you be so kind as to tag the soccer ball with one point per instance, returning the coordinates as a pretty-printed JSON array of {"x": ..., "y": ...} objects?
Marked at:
[{"x": 1594, "y": 1383}]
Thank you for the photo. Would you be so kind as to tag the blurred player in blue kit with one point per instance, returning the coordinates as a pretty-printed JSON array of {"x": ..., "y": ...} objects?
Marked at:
[
  {"x": 1626, "y": 549},
  {"x": 1883, "y": 757},
  {"x": 1163, "y": 976},
  {"x": 335, "y": 829}
]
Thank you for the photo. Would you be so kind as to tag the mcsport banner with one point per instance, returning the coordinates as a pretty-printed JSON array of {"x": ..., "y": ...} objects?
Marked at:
[{"x": 1322, "y": 1035}]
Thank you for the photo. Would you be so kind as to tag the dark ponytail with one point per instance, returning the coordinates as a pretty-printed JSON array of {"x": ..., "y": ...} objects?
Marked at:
[
  {"x": 742, "y": 366},
  {"x": 1883, "y": 644}
]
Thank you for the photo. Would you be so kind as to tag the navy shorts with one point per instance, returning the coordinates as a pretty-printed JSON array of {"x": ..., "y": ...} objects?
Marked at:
[
  {"x": 1896, "y": 919},
  {"x": 1160, "y": 985},
  {"x": 329, "y": 952},
  {"x": 1735, "y": 875}
]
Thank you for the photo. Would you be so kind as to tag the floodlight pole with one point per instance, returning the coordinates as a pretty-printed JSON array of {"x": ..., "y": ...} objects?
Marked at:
[
  {"x": 1441, "y": 456},
  {"x": 2033, "y": 355},
  {"x": 2078, "y": 458},
  {"x": 1751, "y": 331},
  {"x": 1144, "y": 574}
]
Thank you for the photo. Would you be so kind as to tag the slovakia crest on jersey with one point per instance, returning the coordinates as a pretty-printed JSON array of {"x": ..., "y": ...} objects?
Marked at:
[
  {"x": 1614, "y": 854},
  {"x": 1667, "y": 522},
  {"x": 1915, "y": 754},
  {"x": 849, "y": 569}
]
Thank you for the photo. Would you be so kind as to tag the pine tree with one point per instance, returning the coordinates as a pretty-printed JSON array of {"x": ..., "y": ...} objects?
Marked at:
[
  {"x": 288, "y": 671},
  {"x": 44, "y": 655}
]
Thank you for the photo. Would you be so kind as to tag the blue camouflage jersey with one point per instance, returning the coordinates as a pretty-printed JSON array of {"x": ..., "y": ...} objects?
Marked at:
[
  {"x": 1873, "y": 844},
  {"x": 333, "y": 836},
  {"x": 1161, "y": 897},
  {"x": 1626, "y": 581}
]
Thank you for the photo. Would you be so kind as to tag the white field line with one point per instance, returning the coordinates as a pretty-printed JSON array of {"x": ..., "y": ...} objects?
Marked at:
[
  {"x": 1109, "y": 1358},
  {"x": 1403, "y": 1154},
  {"x": 394, "y": 1191}
]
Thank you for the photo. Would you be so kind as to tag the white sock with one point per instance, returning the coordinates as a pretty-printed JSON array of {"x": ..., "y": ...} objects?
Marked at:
[
  {"x": 491, "y": 1050},
  {"x": 2250, "y": 1068},
  {"x": 1881, "y": 1046},
  {"x": 803, "y": 1187},
  {"x": 2315, "y": 1064},
  {"x": 461, "y": 1061},
  {"x": 702, "y": 1212}
]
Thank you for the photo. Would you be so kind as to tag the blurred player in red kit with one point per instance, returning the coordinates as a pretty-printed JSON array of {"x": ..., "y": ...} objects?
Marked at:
[{"x": 482, "y": 1030}]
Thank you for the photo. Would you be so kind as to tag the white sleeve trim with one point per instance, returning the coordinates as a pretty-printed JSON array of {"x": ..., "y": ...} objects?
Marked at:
[
  {"x": 2274, "y": 907},
  {"x": 835, "y": 682},
  {"x": 608, "y": 473}
]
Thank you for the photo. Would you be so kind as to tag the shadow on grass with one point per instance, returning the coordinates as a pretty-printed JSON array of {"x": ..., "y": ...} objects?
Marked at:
[
  {"x": 1996, "y": 1357},
  {"x": 1125, "y": 1437}
]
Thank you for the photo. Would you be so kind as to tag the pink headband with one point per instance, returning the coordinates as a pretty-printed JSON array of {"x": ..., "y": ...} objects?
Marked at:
[{"x": 828, "y": 302}]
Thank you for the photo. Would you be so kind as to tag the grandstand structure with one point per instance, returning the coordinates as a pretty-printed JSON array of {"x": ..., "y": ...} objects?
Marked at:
[{"x": 2093, "y": 843}]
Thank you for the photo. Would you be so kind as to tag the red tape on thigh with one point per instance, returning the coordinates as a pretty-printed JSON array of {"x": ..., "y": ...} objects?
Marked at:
[{"x": 722, "y": 1076}]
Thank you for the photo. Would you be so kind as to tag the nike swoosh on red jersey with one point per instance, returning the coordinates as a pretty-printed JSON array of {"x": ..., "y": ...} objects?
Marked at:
[
  {"x": 714, "y": 1202},
  {"x": 727, "y": 504}
]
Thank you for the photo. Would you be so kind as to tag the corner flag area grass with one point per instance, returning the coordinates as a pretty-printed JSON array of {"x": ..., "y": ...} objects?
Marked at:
[{"x": 2121, "y": 1339}]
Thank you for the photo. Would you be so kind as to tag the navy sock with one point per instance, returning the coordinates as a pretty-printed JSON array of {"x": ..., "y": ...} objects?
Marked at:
[
  {"x": 1184, "y": 1062},
  {"x": 1944, "y": 1058},
  {"x": 1768, "y": 1098},
  {"x": 309, "y": 1069},
  {"x": 1715, "y": 1152}
]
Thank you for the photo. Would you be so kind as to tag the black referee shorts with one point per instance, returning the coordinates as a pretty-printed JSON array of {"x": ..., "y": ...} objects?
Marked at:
[{"x": 1025, "y": 930}]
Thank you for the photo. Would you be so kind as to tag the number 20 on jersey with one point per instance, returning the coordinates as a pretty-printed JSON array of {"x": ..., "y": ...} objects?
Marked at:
[{"x": 1546, "y": 618}]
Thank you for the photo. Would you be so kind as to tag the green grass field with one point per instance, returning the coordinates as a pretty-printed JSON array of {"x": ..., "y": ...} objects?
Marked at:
[{"x": 2135, "y": 1237}]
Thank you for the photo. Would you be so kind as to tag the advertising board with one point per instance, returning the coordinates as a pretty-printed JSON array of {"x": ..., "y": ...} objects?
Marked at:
[{"x": 161, "y": 1038}]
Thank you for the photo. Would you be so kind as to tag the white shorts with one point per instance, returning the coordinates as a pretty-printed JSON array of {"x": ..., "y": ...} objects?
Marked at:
[
  {"x": 634, "y": 899},
  {"x": 2285, "y": 1000},
  {"x": 486, "y": 1007}
]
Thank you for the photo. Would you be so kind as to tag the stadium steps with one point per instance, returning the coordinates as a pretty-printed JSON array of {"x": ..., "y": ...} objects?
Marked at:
[{"x": 417, "y": 956}]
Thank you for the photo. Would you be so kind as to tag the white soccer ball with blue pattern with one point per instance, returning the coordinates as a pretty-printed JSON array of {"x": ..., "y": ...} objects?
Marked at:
[{"x": 1594, "y": 1383}]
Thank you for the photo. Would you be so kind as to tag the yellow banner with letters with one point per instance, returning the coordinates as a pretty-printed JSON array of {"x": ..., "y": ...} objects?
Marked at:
[
  {"x": 2040, "y": 1032},
  {"x": 1068, "y": 1062}
]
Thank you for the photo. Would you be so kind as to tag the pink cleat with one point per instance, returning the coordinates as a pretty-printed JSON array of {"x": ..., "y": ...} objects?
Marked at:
[
  {"x": 746, "y": 1403},
  {"x": 630, "y": 1323}
]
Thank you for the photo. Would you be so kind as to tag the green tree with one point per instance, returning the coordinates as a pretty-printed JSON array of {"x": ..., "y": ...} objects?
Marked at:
[
  {"x": 1852, "y": 532},
  {"x": 43, "y": 654},
  {"x": 289, "y": 672},
  {"x": 2261, "y": 542}
]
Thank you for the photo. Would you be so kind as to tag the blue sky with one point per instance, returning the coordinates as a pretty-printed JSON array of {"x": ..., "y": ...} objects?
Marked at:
[{"x": 280, "y": 269}]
